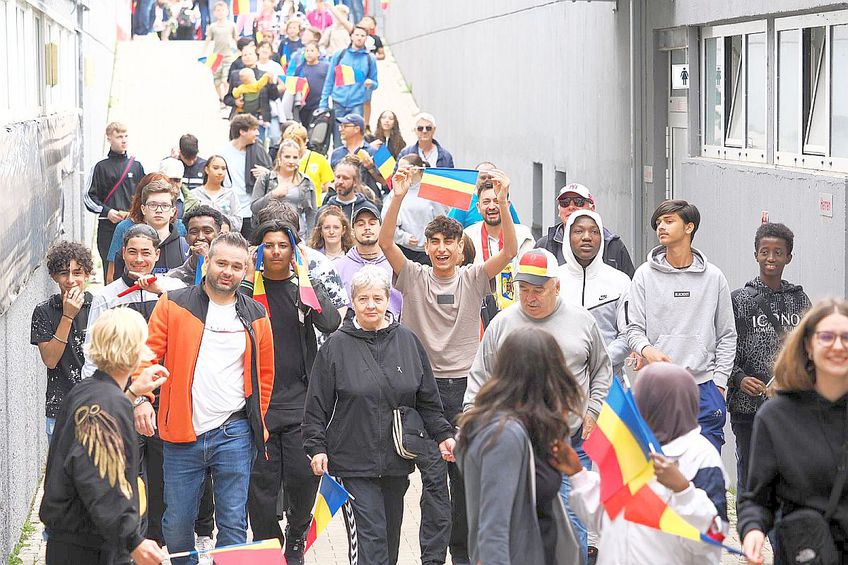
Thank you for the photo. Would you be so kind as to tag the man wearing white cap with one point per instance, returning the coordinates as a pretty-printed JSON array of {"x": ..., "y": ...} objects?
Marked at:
[
  {"x": 577, "y": 333},
  {"x": 174, "y": 170},
  {"x": 574, "y": 197}
]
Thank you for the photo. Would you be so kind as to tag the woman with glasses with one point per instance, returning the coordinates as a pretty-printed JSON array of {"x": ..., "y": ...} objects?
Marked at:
[
  {"x": 332, "y": 235},
  {"x": 799, "y": 438}
]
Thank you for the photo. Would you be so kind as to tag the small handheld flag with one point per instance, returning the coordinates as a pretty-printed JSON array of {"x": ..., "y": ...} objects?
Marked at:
[
  {"x": 266, "y": 552},
  {"x": 134, "y": 288},
  {"x": 384, "y": 161},
  {"x": 212, "y": 62},
  {"x": 331, "y": 496},
  {"x": 200, "y": 270},
  {"x": 297, "y": 85},
  {"x": 307, "y": 293},
  {"x": 451, "y": 187},
  {"x": 347, "y": 75},
  {"x": 258, "y": 282},
  {"x": 244, "y": 7}
]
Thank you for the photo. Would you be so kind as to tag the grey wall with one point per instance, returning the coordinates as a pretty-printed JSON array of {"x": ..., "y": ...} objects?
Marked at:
[
  {"x": 517, "y": 82},
  {"x": 23, "y": 443}
]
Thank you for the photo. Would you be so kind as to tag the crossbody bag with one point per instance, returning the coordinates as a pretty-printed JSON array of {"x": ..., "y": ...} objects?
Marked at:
[{"x": 409, "y": 435}]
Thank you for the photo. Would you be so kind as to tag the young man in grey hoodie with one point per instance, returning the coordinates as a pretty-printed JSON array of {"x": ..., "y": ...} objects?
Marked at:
[{"x": 680, "y": 312}]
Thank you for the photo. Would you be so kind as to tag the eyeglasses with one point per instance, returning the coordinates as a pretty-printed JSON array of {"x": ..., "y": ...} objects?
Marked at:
[
  {"x": 425, "y": 128},
  {"x": 158, "y": 207},
  {"x": 828, "y": 339},
  {"x": 566, "y": 201}
]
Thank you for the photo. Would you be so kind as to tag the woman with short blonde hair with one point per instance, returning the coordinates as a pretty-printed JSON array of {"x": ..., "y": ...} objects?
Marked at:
[{"x": 118, "y": 341}]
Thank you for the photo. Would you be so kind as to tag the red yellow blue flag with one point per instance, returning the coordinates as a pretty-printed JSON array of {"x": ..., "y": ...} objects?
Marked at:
[
  {"x": 266, "y": 552},
  {"x": 258, "y": 282},
  {"x": 307, "y": 293},
  {"x": 621, "y": 446},
  {"x": 331, "y": 496},
  {"x": 212, "y": 62},
  {"x": 200, "y": 270},
  {"x": 347, "y": 75},
  {"x": 451, "y": 187},
  {"x": 297, "y": 85},
  {"x": 385, "y": 161},
  {"x": 244, "y": 7}
]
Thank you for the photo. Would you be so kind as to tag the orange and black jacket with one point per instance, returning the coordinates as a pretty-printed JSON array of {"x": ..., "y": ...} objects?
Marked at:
[{"x": 175, "y": 332}]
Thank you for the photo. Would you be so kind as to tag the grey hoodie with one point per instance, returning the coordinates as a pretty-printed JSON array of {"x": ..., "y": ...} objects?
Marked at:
[{"x": 685, "y": 313}]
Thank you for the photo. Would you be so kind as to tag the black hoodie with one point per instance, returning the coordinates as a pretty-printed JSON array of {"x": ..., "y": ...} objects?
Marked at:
[
  {"x": 795, "y": 451},
  {"x": 348, "y": 409},
  {"x": 757, "y": 342}
]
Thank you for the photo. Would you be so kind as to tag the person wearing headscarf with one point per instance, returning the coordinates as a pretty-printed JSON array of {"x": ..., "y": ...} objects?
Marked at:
[{"x": 690, "y": 478}]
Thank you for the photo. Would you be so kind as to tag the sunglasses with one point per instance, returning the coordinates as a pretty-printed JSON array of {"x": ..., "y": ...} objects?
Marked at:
[
  {"x": 424, "y": 128},
  {"x": 566, "y": 201}
]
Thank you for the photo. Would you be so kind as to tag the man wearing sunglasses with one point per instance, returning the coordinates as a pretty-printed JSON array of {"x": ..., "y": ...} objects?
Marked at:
[
  {"x": 427, "y": 147},
  {"x": 573, "y": 197}
]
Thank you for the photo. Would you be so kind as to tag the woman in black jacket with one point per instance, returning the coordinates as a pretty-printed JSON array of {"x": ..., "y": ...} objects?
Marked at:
[
  {"x": 361, "y": 374},
  {"x": 799, "y": 436}
]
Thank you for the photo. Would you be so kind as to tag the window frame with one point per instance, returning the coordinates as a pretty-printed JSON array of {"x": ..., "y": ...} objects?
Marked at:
[
  {"x": 809, "y": 156},
  {"x": 732, "y": 149}
]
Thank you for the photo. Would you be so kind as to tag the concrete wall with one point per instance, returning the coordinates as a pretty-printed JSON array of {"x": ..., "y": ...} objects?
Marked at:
[
  {"x": 518, "y": 82},
  {"x": 23, "y": 443}
]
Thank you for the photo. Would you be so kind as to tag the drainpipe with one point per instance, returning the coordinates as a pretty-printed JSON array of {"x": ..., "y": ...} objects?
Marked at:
[{"x": 636, "y": 66}]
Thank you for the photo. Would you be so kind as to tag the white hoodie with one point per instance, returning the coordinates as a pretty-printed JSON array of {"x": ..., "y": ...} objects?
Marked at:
[{"x": 599, "y": 288}]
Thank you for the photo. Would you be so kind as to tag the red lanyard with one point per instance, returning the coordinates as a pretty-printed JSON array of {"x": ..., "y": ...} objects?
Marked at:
[{"x": 485, "y": 241}]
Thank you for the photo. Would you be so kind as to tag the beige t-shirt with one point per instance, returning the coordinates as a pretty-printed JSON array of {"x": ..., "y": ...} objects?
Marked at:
[{"x": 444, "y": 314}]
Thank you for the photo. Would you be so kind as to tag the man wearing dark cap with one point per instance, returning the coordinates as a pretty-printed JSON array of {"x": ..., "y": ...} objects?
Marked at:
[
  {"x": 576, "y": 331},
  {"x": 573, "y": 197}
]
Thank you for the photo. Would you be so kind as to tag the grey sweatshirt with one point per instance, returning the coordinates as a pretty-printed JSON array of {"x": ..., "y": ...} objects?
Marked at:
[
  {"x": 685, "y": 313},
  {"x": 577, "y": 334}
]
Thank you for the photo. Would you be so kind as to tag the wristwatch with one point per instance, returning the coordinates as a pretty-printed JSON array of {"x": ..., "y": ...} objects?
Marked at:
[{"x": 140, "y": 400}]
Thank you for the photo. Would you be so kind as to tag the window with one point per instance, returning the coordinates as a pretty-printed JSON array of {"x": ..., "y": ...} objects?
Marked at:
[
  {"x": 812, "y": 93},
  {"x": 733, "y": 86}
]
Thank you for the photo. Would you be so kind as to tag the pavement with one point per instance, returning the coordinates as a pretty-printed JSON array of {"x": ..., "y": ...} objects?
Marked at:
[{"x": 161, "y": 92}]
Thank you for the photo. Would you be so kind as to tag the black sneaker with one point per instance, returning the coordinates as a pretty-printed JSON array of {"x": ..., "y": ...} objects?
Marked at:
[
  {"x": 294, "y": 548},
  {"x": 593, "y": 555}
]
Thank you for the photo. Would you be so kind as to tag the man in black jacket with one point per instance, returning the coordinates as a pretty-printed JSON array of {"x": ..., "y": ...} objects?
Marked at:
[
  {"x": 295, "y": 346},
  {"x": 110, "y": 187},
  {"x": 92, "y": 502},
  {"x": 573, "y": 197}
]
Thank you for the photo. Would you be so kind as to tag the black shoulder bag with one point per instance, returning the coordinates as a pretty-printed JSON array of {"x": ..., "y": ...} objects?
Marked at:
[
  {"x": 408, "y": 431},
  {"x": 804, "y": 535}
]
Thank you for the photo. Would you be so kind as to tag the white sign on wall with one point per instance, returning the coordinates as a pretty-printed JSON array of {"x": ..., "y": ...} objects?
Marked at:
[{"x": 680, "y": 77}]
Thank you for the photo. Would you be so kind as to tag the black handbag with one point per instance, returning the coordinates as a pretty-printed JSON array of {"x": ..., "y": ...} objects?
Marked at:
[
  {"x": 804, "y": 536},
  {"x": 409, "y": 434}
]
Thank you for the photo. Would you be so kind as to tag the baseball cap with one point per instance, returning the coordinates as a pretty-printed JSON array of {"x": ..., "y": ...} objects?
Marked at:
[
  {"x": 354, "y": 119},
  {"x": 537, "y": 267},
  {"x": 577, "y": 189},
  {"x": 366, "y": 206},
  {"x": 172, "y": 168}
]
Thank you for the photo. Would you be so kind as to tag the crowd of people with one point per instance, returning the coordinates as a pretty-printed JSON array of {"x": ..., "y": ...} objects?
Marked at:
[{"x": 447, "y": 340}]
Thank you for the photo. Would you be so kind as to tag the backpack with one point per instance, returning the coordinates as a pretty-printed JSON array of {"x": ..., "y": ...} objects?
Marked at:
[{"x": 184, "y": 18}]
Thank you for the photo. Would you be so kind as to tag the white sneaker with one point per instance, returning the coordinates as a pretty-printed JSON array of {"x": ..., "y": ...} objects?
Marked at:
[{"x": 203, "y": 544}]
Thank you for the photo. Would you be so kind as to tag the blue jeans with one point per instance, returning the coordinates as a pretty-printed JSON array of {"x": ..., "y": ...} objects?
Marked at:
[
  {"x": 228, "y": 452},
  {"x": 341, "y": 112},
  {"x": 712, "y": 413},
  {"x": 357, "y": 10},
  {"x": 204, "y": 17},
  {"x": 143, "y": 17},
  {"x": 565, "y": 490}
]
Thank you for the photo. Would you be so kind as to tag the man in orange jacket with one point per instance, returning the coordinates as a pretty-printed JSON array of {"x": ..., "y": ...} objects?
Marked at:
[{"x": 218, "y": 348}]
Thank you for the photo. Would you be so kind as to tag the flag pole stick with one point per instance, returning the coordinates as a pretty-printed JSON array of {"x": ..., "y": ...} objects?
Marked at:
[{"x": 182, "y": 554}]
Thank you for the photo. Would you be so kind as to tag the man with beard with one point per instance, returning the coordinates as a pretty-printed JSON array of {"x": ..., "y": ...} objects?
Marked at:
[
  {"x": 217, "y": 346},
  {"x": 487, "y": 236}
]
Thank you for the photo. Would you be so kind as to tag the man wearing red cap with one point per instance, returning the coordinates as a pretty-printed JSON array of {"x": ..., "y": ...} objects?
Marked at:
[{"x": 573, "y": 197}]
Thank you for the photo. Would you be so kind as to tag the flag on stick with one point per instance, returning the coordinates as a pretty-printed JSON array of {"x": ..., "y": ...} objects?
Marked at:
[
  {"x": 244, "y": 7},
  {"x": 347, "y": 75},
  {"x": 200, "y": 271},
  {"x": 451, "y": 187},
  {"x": 266, "y": 552},
  {"x": 307, "y": 293},
  {"x": 259, "y": 282},
  {"x": 384, "y": 161},
  {"x": 213, "y": 62},
  {"x": 331, "y": 496},
  {"x": 621, "y": 446},
  {"x": 297, "y": 85}
]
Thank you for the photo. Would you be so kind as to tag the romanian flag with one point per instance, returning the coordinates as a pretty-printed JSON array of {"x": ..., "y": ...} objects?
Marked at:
[
  {"x": 200, "y": 270},
  {"x": 297, "y": 85},
  {"x": 385, "y": 161},
  {"x": 267, "y": 552},
  {"x": 451, "y": 187},
  {"x": 258, "y": 282},
  {"x": 307, "y": 293},
  {"x": 213, "y": 62},
  {"x": 621, "y": 445},
  {"x": 331, "y": 497},
  {"x": 284, "y": 56},
  {"x": 244, "y": 7},
  {"x": 347, "y": 75}
]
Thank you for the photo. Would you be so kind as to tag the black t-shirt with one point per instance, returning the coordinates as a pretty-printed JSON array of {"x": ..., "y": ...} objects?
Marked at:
[
  {"x": 548, "y": 482},
  {"x": 374, "y": 44},
  {"x": 289, "y": 366},
  {"x": 68, "y": 372}
]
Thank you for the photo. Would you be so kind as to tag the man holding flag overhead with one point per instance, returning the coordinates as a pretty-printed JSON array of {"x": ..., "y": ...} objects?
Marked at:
[
  {"x": 659, "y": 496},
  {"x": 293, "y": 323},
  {"x": 351, "y": 72}
]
